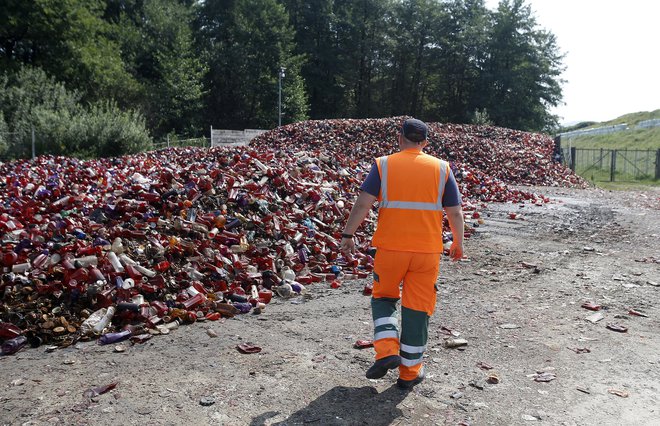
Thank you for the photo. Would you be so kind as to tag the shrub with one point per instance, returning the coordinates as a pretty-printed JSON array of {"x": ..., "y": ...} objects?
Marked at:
[
  {"x": 63, "y": 126},
  {"x": 481, "y": 117}
]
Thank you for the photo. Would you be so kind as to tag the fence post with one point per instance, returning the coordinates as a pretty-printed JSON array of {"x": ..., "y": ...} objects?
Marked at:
[
  {"x": 657, "y": 164},
  {"x": 572, "y": 163},
  {"x": 558, "y": 151},
  {"x": 613, "y": 165},
  {"x": 33, "y": 144},
  {"x": 600, "y": 161}
]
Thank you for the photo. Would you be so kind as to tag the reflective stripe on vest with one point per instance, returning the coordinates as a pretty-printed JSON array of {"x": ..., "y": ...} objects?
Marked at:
[{"x": 409, "y": 205}]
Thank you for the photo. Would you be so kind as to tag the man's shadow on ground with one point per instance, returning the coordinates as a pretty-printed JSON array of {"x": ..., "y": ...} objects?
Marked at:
[{"x": 345, "y": 406}]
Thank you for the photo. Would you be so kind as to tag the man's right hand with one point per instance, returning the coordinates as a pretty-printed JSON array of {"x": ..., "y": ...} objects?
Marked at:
[
  {"x": 456, "y": 251},
  {"x": 347, "y": 247}
]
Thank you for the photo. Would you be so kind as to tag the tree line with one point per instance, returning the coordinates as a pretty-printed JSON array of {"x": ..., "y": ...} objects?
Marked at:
[{"x": 86, "y": 72}]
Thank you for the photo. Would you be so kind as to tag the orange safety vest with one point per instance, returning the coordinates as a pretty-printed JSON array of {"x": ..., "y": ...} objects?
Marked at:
[{"x": 410, "y": 213}]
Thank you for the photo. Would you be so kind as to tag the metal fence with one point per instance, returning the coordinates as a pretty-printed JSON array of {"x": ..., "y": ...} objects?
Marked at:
[
  {"x": 23, "y": 147},
  {"x": 613, "y": 164},
  {"x": 18, "y": 145},
  {"x": 201, "y": 142},
  {"x": 648, "y": 124},
  {"x": 595, "y": 131}
]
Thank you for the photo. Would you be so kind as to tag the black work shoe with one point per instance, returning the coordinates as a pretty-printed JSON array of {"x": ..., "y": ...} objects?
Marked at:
[
  {"x": 408, "y": 384},
  {"x": 380, "y": 367}
]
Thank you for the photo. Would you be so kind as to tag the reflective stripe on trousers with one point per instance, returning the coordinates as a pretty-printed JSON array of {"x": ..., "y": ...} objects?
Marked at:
[{"x": 386, "y": 331}]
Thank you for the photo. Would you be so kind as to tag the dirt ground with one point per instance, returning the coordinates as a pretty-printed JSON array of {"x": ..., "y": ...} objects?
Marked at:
[{"x": 517, "y": 301}]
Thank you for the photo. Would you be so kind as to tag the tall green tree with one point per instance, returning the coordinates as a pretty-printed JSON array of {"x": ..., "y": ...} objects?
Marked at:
[
  {"x": 456, "y": 60},
  {"x": 314, "y": 23},
  {"x": 416, "y": 22},
  {"x": 522, "y": 70},
  {"x": 188, "y": 63},
  {"x": 158, "y": 47},
  {"x": 247, "y": 42},
  {"x": 361, "y": 34},
  {"x": 440, "y": 60},
  {"x": 69, "y": 40}
]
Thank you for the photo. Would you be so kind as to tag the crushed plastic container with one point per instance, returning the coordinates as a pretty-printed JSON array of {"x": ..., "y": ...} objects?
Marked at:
[{"x": 11, "y": 346}]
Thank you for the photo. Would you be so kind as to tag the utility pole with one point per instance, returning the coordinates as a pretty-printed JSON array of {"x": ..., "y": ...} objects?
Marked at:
[
  {"x": 279, "y": 101},
  {"x": 33, "y": 145}
]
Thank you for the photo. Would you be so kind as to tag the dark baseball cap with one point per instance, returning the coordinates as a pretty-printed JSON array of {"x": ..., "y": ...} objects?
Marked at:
[{"x": 414, "y": 130}]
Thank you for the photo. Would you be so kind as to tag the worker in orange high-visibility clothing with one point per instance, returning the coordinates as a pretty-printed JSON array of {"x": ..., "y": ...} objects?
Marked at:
[{"x": 412, "y": 188}]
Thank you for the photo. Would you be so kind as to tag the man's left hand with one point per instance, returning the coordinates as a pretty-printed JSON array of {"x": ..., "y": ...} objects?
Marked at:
[{"x": 456, "y": 251}]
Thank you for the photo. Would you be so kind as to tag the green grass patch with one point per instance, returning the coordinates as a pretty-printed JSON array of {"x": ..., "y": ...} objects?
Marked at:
[
  {"x": 594, "y": 175},
  {"x": 637, "y": 152},
  {"x": 632, "y": 118},
  {"x": 628, "y": 139},
  {"x": 629, "y": 186},
  {"x": 601, "y": 178}
]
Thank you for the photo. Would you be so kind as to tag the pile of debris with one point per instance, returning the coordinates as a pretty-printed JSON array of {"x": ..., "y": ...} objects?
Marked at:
[{"x": 130, "y": 247}]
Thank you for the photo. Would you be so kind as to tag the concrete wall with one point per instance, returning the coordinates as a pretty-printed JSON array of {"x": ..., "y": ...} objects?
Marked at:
[{"x": 222, "y": 137}]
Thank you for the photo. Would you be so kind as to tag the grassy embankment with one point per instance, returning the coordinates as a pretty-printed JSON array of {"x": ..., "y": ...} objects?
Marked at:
[{"x": 632, "y": 139}]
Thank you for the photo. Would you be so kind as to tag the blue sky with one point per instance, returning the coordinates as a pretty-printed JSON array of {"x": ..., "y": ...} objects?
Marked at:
[{"x": 612, "y": 55}]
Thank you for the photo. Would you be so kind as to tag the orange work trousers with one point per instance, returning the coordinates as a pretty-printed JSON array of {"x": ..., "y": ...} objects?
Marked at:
[{"x": 418, "y": 272}]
